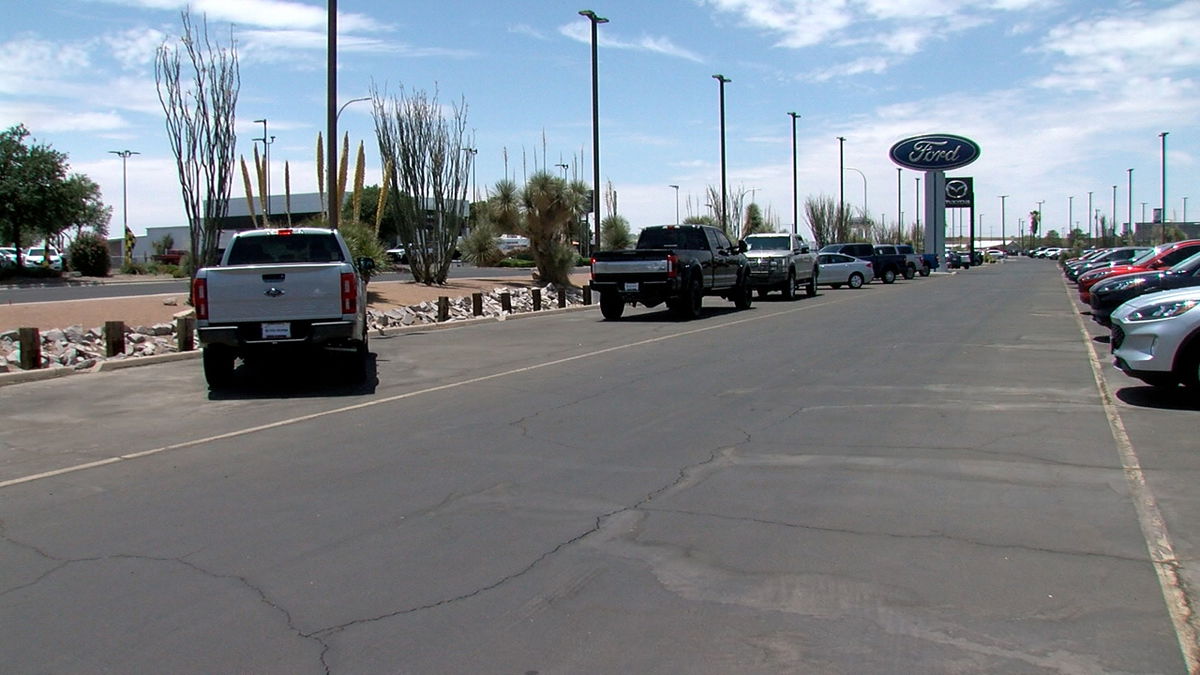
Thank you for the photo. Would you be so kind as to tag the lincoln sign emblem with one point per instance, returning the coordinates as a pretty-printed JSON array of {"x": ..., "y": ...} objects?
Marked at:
[{"x": 935, "y": 152}]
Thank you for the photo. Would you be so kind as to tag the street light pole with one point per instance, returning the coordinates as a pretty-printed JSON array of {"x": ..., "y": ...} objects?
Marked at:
[
  {"x": 899, "y": 206},
  {"x": 595, "y": 21},
  {"x": 676, "y": 202},
  {"x": 1162, "y": 218},
  {"x": 1003, "y": 241},
  {"x": 331, "y": 115},
  {"x": 124, "y": 155},
  {"x": 841, "y": 181},
  {"x": 1070, "y": 214},
  {"x": 1113, "y": 224},
  {"x": 864, "y": 177},
  {"x": 1129, "y": 218},
  {"x": 1091, "y": 225},
  {"x": 795, "y": 179},
  {"x": 1041, "y": 219},
  {"x": 721, "y": 81},
  {"x": 266, "y": 168}
]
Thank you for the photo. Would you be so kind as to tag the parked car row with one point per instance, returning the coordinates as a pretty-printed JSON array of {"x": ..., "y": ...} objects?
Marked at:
[
  {"x": 31, "y": 258},
  {"x": 678, "y": 265},
  {"x": 1149, "y": 304}
]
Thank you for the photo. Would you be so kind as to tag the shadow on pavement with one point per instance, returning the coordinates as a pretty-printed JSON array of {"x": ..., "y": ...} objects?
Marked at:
[
  {"x": 319, "y": 378},
  {"x": 1160, "y": 398}
]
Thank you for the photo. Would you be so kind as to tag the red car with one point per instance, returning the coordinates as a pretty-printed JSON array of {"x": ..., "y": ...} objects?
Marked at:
[{"x": 1160, "y": 258}]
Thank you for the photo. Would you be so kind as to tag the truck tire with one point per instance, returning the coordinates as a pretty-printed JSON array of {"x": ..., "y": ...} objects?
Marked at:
[
  {"x": 925, "y": 271},
  {"x": 689, "y": 304},
  {"x": 910, "y": 272},
  {"x": 789, "y": 286},
  {"x": 811, "y": 288},
  {"x": 856, "y": 280},
  {"x": 742, "y": 294},
  {"x": 889, "y": 276},
  {"x": 611, "y": 306},
  {"x": 218, "y": 366}
]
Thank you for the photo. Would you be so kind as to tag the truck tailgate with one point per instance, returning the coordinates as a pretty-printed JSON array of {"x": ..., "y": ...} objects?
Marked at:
[{"x": 283, "y": 292}]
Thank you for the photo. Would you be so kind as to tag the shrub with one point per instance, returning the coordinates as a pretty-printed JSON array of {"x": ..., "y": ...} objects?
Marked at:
[
  {"x": 88, "y": 255},
  {"x": 363, "y": 243},
  {"x": 479, "y": 247}
]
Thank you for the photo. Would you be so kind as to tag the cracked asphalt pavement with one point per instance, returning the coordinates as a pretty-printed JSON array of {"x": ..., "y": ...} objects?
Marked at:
[{"x": 917, "y": 478}]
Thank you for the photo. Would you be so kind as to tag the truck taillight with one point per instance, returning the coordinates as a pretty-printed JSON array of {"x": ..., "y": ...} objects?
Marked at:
[
  {"x": 672, "y": 266},
  {"x": 349, "y": 293},
  {"x": 200, "y": 298},
  {"x": 593, "y": 269}
]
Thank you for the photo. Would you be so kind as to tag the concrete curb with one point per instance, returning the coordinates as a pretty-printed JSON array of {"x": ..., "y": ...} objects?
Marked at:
[{"x": 109, "y": 365}]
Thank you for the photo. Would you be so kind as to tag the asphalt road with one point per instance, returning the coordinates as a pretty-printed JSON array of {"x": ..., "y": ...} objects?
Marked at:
[
  {"x": 47, "y": 291},
  {"x": 917, "y": 478}
]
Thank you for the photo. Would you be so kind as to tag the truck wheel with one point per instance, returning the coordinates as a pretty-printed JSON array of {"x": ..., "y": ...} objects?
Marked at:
[
  {"x": 910, "y": 272},
  {"x": 789, "y": 286},
  {"x": 889, "y": 276},
  {"x": 811, "y": 289},
  {"x": 742, "y": 295},
  {"x": 611, "y": 306},
  {"x": 218, "y": 366},
  {"x": 924, "y": 271},
  {"x": 691, "y": 302},
  {"x": 856, "y": 280}
]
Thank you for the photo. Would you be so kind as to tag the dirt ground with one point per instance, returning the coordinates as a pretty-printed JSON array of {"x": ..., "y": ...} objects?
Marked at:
[{"x": 145, "y": 310}]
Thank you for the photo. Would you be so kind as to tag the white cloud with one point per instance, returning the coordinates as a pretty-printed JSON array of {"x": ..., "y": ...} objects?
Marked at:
[
  {"x": 582, "y": 32},
  {"x": 269, "y": 14},
  {"x": 134, "y": 48},
  {"x": 29, "y": 64},
  {"x": 526, "y": 29}
]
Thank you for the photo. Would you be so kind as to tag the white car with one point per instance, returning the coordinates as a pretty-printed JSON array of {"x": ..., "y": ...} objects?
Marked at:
[
  {"x": 838, "y": 269},
  {"x": 8, "y": 257},
  {"x": 1156, "y": 338},
  {"x": 34, "y": 258}
]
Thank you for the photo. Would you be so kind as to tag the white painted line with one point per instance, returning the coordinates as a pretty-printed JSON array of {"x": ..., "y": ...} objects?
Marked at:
[
  {"x": 1154, "y": 527},
  {"x": 808, "y": 304}
]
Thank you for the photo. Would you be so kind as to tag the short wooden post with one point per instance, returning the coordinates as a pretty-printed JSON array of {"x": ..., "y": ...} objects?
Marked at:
[
  {"x": 477, "y": 304},
  {"x": 31, "y": 348},
  {"x": 443, "y": 309},
  {"x": 562, "y": 297},
  {"x": 506, "y": 302},
  {"x": 185, "y": 328},
  {"x": 587, "y": 294},
  {"x": 537, "y": 299},
  {"x": 114, "y": 338}
]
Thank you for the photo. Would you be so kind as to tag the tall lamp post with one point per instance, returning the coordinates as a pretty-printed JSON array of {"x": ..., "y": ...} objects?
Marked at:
[
  {"x": 1162, "y": 218},
  {"x": 266, "y": 166},
  {"x": 1113, "y": 224},
  {"x": 595, "y": 21},
  {"x": 864, "y": 177},
  {"x": 1092, "y": 223},
  {"x": 841, "y": 181},
  {"x": 676, "y": 202},
  {"x": 124, "y": 155},
  {"x": 795, "y": 178},
  {"x": 1041, "y": 219},
  {"x": 1129, "y": 217},
  {"x": 721, "y": 81},
  {"x": 1070, "y": 215},
  {"x": 1003, "y": 240}
]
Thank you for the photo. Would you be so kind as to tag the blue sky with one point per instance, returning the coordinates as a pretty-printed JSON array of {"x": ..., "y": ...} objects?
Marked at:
[{"x": 1063, "y": 96}]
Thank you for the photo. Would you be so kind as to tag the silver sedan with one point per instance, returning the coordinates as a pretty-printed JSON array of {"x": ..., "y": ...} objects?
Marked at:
[{"x": 838, "y": 269}]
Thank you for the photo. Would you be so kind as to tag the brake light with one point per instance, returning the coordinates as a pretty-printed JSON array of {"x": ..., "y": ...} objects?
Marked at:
[
  {"x": 593, "y": 269},
  {"x": 200, "y": 298},
  {"x": 672, "y": 265},
  {"x": 283, "y": 232},
  {"x": 349, "y": 293}
]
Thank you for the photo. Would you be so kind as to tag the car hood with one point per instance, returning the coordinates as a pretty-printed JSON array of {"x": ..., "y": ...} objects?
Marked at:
[
  {"x": 1109, "y": 282},
  {"x": 768, "y": 254},
  {"x": 1159, "y": 297},
  {"x": 1106, "y": 272}
]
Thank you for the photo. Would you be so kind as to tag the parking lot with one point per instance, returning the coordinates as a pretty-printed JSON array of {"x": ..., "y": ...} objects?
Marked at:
[{"x": 940, "y": 475}]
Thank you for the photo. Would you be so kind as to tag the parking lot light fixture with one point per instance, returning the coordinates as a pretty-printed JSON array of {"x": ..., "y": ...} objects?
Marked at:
[
  {"x": 721, "y": 82},
  {"x": 595, "y": 21}
]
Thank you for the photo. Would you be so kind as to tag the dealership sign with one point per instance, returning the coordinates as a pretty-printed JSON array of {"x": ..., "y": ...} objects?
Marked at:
[
  {"x": 960, "y": 193},
  {"x": 935, "y": 152}
]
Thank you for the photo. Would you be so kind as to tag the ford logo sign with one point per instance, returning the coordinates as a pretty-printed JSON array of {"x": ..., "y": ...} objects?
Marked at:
[{"x": 935, "y": 152}]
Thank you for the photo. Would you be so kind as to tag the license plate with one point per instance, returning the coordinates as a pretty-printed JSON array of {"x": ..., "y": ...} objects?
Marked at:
[
  {"x": 631, "y": 287},
  {"x": 276, "y": 330}
]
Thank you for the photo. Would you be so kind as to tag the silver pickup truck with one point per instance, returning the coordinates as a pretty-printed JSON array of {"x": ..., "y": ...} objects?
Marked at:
[
  {"x": 782, "y": 262},
  {"x": 278, "y": 290}
]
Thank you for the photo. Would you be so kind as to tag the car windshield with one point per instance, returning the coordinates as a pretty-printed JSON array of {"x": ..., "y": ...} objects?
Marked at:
[
  {"x": 768, "y": 243},
  {"x": 1147, "y": 256},
  {"x": 1188, "y": 266},
  {"x": 285, "y": 248}
]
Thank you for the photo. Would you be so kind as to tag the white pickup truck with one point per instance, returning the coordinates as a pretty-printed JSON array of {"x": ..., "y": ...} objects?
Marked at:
[
  {"x": 781, "y": 261},
  {"x": 277, "y": 290}
]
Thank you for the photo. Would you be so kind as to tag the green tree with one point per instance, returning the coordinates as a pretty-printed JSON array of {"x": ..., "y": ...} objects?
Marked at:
[
  {"x": 754, "y": 222},
  {"x": 700, "y": 220},
  {"x": 548, "y": 218},
  {"x": 614, "y": 233},
  {"x": 31, "y": 178},
  {"x": 1052, "y": 238}
]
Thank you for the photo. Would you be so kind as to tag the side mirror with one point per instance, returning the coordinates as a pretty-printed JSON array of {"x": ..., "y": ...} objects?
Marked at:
[
  {"x": 741, "y": 246},
  {"x": 365, "y": 264}
]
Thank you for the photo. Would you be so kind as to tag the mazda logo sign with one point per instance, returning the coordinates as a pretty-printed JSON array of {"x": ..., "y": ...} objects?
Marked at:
[{"x": 957, "y": 189}]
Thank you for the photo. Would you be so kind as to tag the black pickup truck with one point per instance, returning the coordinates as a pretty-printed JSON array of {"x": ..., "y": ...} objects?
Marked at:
[
  {"x": 887, "y": 266},
  {"x": 675, "y": 264}
]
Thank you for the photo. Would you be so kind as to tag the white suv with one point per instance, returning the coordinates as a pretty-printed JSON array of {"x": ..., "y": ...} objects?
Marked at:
[{"x": 1156, "y": 338}]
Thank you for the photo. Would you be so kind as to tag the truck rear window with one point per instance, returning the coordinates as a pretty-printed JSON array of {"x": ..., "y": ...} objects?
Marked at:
[
  {"x": 289, "y": 248},
  {"x": 673, "y": 237}
]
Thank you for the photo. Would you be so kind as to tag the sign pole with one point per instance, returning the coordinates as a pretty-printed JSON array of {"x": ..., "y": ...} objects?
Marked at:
[{"x": 935, "y": 213}]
